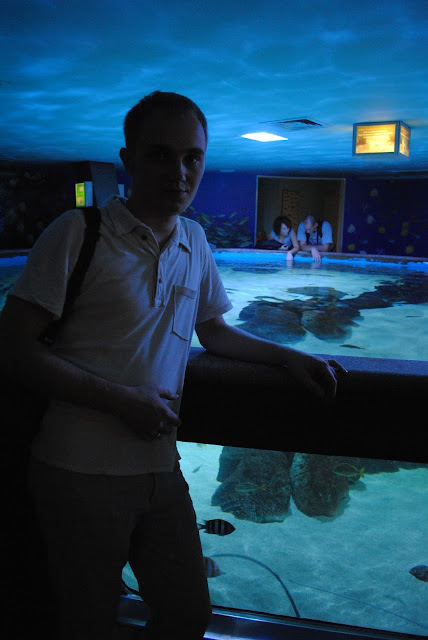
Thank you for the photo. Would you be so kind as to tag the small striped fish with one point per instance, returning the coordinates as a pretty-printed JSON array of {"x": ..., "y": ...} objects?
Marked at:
[{"x": 217, "y": 527}]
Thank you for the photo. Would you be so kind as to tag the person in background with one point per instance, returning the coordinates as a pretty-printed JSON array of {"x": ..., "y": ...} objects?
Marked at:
[
  {"x": 315, "y": 235},
  {"x": 105, "y": 472},
  {"x": 285, "y": 235}
]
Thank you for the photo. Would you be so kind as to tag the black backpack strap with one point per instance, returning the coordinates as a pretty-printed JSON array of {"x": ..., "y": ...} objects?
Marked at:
[
  {"x": 319, "y": 230},
  {"x": 93, "y": 219}
]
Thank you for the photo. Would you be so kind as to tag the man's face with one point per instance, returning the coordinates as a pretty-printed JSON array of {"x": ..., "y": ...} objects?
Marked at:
[{"x": 168, "y": 163}]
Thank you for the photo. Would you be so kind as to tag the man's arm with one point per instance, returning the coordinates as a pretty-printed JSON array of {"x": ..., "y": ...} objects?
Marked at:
[
  {"x": 319, "y": 247},
  {"x": 315, "y": 249},
  {"x": 24, "y": 358},
  {"x": 327, "y": 246},
  {"x": 316, "y": 374}
]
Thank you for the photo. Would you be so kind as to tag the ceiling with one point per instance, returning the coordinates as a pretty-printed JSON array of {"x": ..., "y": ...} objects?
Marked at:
[{"x": 71, "y": 69}]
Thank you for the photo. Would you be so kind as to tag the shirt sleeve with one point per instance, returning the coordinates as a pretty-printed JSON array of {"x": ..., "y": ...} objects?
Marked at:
[
  {"x": 301, "y": 233},
  {"x": 213, "y": 299},
  {"x": 327, "y": 235},
  {"x": 50, "y": 263}
]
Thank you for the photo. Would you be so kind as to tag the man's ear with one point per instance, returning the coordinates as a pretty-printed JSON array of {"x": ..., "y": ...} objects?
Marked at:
[{"x": 127, "y": 160}]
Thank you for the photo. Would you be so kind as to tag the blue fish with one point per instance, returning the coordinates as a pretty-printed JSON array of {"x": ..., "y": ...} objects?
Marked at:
[
  {"x": 217, "y": 527},
  {"x": 353, "y": 346},
  {"x": 348, "y": 471},
  {"x": 420, "y": 572}
]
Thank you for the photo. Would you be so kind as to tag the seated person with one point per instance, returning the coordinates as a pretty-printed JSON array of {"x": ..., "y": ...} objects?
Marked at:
[
  {"x": 285, "y": 235},
  {"x": 315, "y": 236}
]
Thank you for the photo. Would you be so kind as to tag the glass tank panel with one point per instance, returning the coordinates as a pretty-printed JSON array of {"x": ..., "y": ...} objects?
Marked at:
[{"x": 333, "y": 539}]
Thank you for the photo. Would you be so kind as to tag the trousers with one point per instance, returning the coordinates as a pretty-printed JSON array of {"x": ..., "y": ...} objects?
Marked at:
[{"x": 94, "y": 524}]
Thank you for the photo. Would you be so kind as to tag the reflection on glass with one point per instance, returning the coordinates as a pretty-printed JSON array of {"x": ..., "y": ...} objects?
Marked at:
[{"x": 334, "y": 539}]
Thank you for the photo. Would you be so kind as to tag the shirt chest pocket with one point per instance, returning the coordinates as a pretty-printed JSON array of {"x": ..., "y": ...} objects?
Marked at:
[{"x": 184, "y": 311}]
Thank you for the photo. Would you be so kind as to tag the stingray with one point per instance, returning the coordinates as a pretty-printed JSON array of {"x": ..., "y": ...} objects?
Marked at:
[
  {"x": 326, "y": 312},
  {"x": 277, "y": 321}
]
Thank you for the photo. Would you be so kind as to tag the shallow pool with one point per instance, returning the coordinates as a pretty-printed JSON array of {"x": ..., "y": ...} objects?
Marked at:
[{"x": 355, "y": 306}]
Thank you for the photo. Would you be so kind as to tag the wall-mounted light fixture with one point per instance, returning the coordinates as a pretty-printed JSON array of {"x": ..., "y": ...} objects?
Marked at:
[{"x": 390, "y": 138}]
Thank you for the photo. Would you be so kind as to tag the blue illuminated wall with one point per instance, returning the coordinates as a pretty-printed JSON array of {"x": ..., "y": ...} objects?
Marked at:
[
  {"x": 229, "y": 201},
  {"x": 223, "y": 192},
  {"x": 381, "y": 217},
  {"x": 386, "y": 217}
]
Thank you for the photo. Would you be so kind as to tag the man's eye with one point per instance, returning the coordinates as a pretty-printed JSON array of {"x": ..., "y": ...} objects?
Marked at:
[
  {"x": 193, "y": 159},
  {"x": 158, "y": 154}
]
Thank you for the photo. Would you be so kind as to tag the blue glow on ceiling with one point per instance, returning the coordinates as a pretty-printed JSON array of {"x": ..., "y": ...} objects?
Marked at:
[{"x": 69, "y": 72}]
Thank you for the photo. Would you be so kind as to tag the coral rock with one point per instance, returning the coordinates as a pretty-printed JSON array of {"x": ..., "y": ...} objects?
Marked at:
[
  {"x": 316, "y": 489},
  {"x": 255, "y": 484}
]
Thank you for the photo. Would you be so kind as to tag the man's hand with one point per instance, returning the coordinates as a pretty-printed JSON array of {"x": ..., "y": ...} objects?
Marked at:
[
  {"x": 143, "y": 409},
  {"x": 318, "y": 375},
  {"x": 315, "y": 254}
]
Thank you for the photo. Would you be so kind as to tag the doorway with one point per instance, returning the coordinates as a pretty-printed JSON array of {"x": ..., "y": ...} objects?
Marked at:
[{"x": 298, "y": 197}]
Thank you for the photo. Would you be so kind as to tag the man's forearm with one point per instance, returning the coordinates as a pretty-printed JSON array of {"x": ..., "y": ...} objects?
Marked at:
[
  {"x": 318, "y": 247},
  {"x": 231, "y": 342},
  {"x": 42, "y": 371},
  {"x": 314, "y": 373}
]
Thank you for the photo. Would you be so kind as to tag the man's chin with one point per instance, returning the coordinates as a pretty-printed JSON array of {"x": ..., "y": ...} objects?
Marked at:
[
  {"x": 177, "y": 206},
  {"x": 167, "y": 205}
]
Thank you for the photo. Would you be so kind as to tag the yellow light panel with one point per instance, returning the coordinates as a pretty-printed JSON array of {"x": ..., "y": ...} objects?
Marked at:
[
  {"x": 388, "y": 138},
  {"x": 375, "y": 138}
]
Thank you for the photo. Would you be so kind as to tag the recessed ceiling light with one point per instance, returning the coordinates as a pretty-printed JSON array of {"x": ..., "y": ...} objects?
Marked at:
[{"x": 262, "y": 136}]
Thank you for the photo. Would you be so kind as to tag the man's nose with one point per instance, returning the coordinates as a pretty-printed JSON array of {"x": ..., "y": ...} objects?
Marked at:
[{"x": 177, "y": 169}]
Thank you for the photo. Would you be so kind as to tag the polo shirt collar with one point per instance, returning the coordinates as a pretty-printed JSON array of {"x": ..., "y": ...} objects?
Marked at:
[{"x": 123, "y": 222}]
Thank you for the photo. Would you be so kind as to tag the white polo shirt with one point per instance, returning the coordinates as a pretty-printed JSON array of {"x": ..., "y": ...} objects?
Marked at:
[{"x": 131, "y": 324}]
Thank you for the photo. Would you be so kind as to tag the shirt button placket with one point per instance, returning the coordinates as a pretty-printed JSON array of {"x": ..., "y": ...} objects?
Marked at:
[{"x": 160, "y": 287}]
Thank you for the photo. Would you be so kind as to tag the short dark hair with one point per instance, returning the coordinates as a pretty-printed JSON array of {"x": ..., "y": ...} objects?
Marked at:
[
  {"x": 169, "y": 101},
  {"x": 310, "y": 218},
  {"x": 278, "y": 222}
]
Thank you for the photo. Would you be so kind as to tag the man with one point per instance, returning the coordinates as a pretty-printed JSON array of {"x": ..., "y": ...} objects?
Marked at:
[
  {"x": 105, "y": 473},
  {"x": 315, "y": 235}
]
